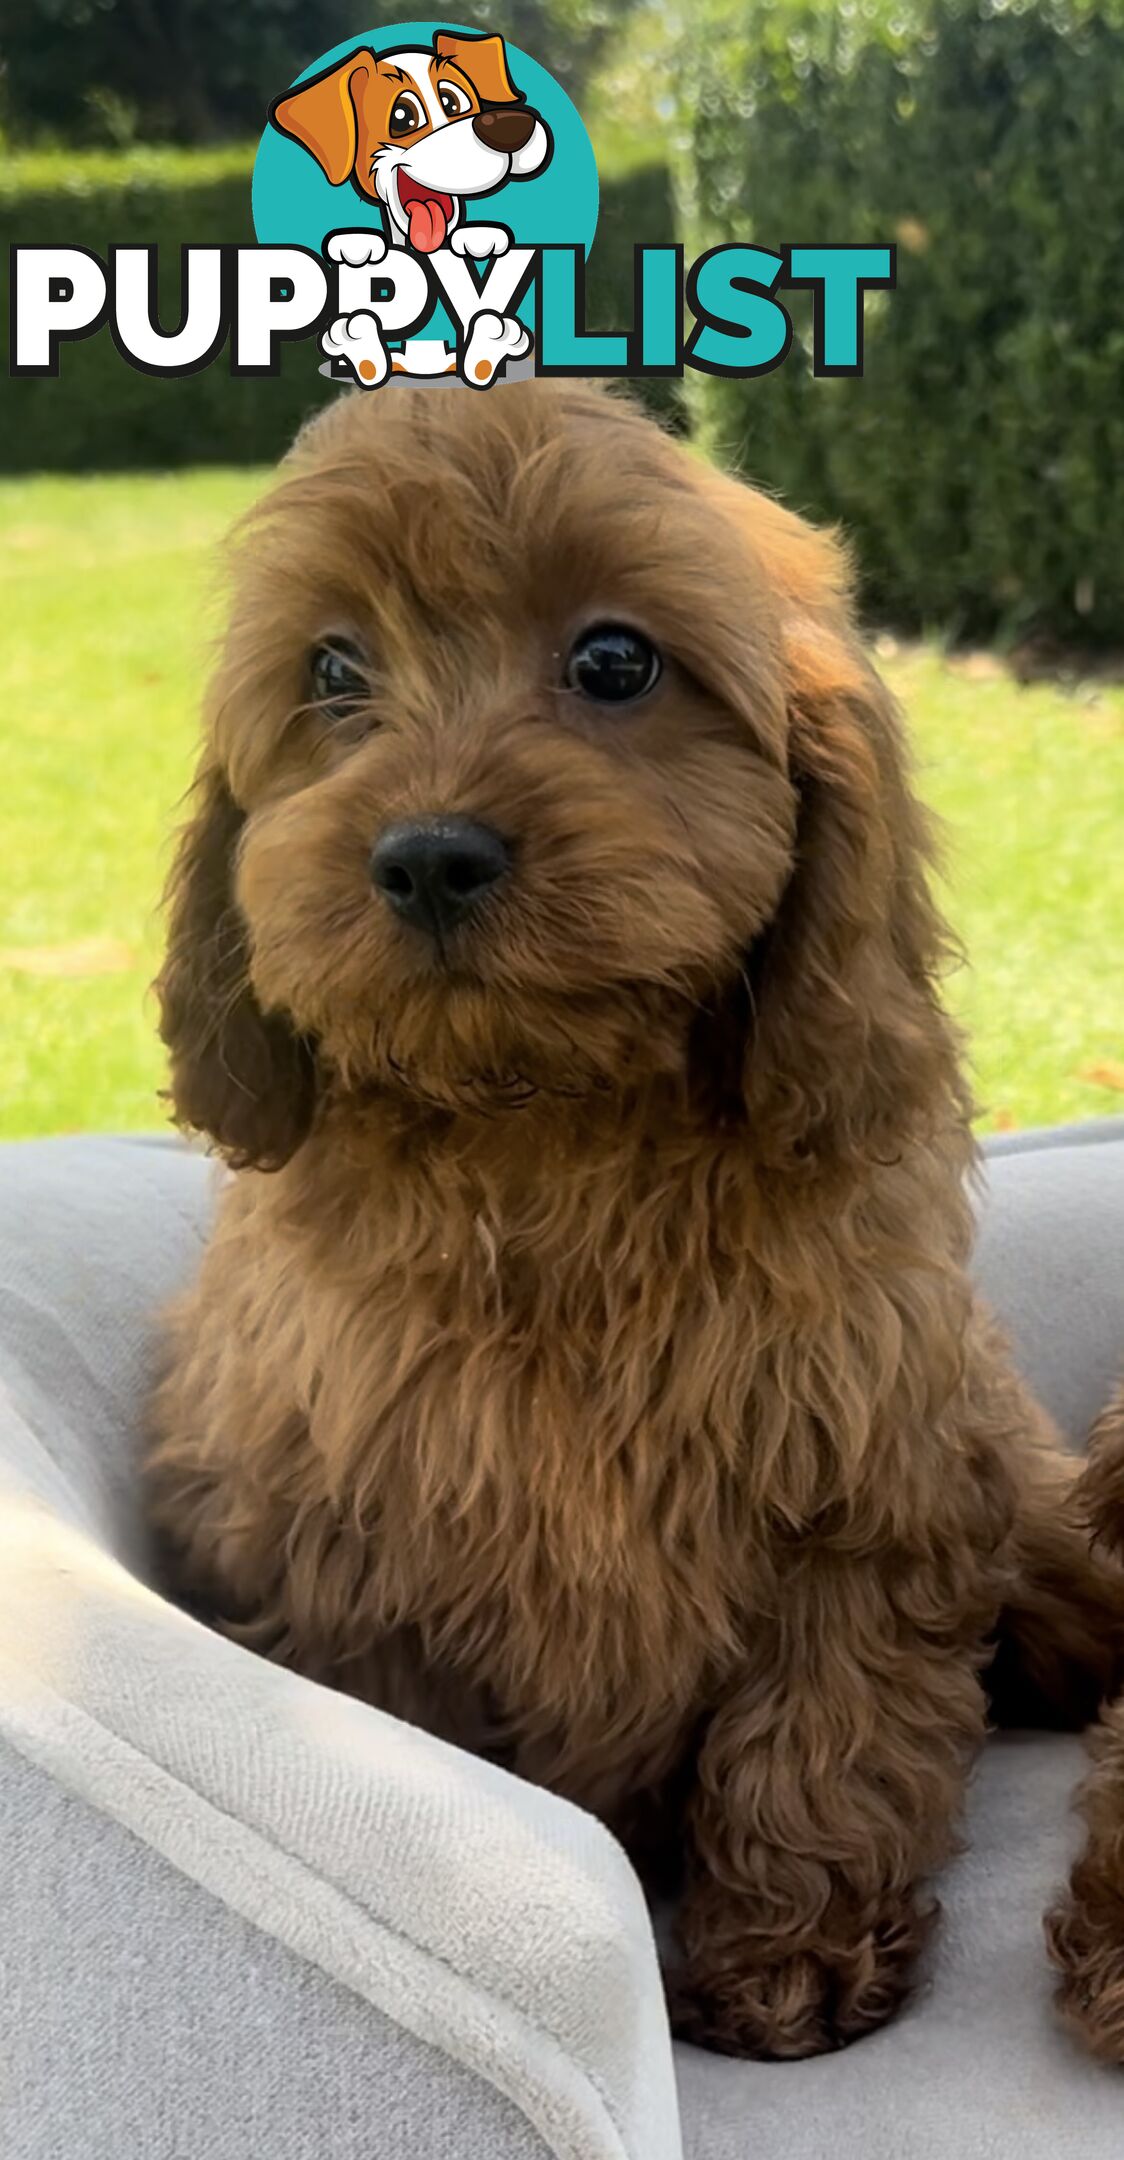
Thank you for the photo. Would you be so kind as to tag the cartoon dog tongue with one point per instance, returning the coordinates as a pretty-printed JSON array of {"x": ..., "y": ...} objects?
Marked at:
[
  {"x": 428, "y": 214},
  {"x": 428, "y": 224}
]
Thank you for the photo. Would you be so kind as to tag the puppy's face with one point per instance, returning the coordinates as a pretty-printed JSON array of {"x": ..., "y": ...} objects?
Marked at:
[
  {"x": 513, "y": 808},
  {"x": 506, "y": 740}
]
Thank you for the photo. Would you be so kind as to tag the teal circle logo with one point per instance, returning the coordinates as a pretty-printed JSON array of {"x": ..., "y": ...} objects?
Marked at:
[{"x": 406, "y": 123}]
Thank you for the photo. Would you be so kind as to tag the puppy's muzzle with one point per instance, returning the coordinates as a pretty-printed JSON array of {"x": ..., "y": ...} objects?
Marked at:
[
  {"x": 434, "y": 871},
  {"x": 505, "y": 130}
]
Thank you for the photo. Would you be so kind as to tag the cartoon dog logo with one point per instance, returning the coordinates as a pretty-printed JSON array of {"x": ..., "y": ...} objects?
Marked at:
[{"x": 419, "y": 132}]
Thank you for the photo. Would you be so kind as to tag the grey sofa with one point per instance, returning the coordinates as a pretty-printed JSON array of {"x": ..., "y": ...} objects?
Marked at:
[{"x": 242, "y": 1918}]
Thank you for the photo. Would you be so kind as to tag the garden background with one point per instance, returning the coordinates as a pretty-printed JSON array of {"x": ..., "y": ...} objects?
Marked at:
[{"x": 978, "y": 465}]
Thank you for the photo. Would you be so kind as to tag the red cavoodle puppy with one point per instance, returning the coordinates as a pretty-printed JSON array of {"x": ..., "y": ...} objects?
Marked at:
[{"x": 584, "y": 1363}]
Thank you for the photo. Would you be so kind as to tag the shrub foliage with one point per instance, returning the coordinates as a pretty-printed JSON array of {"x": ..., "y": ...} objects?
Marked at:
[
  {"x": 979, "y": 462},
  {"x": 199, "y": 71}
]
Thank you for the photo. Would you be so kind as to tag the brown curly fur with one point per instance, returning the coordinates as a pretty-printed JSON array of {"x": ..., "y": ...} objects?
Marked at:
[
  {"x": 1085, "y": 1931},
  {"x": 584, "y": 1363}
]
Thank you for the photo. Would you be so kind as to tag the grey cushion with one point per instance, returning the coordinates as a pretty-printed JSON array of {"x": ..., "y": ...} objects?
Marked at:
[
  {"x": 467, "y": 1915},
  {"x": 188, "y": 2031},
  {"x": 242, "y": 1916},
  {"x": 1051, "y": 1260}
]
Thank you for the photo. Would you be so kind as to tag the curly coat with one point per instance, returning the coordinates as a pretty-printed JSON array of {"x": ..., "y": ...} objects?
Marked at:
[
  {"x": 1085, "y": 1930},
  {"x": 584, "y": 1363}
]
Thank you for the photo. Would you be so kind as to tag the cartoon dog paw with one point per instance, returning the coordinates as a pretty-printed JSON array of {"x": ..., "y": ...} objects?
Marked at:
[
  {"x": 358, "y": 340},
  {"x": 491, "y": 340},
  {"x": 356, "y": 249},
  {"x": 479, "y": 241}
]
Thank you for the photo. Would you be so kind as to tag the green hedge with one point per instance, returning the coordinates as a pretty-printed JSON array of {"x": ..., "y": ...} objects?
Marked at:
[
  {"x": 100, "y": 414},
  {"x": 979, "y": 462}
]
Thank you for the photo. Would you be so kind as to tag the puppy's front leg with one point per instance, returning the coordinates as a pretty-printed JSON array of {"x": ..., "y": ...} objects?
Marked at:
[
  {"x": 1085, "y": 1930},
  {"x": 828, "y": 1786}
]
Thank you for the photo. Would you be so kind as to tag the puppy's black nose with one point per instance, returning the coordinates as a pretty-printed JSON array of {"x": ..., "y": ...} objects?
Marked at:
[
  {"x": 505, "y": 130},
  {"x": 434, "y": 871}
]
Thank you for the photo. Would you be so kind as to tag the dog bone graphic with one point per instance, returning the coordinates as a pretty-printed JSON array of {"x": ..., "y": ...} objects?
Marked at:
[
  {"x": 492, "y": 339},
  {"x": 358, "y": 340}
]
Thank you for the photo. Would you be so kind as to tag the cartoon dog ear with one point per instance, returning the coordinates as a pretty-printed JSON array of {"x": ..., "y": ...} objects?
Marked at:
[
  {"x": 484, "y": 61},
  {"x": 321, "y": 115},
  {"x": 238, "y": 1074}
]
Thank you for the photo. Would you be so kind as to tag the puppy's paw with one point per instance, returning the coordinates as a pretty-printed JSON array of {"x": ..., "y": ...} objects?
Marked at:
[
  {"x": 491, "y": 340},
  {"x": 805, "y": 2003},
  {"x": 479, "y": 241},
  {"x": 1085, "y": 1939},
  {"x": 356, "y": 249},
  {"x": 358, "y": 340}
]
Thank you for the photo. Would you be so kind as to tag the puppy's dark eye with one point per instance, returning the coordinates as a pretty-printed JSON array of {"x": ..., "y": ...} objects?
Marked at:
[
  {"x": 339, "y": 676},
  {"x": 612, "y": 664}
]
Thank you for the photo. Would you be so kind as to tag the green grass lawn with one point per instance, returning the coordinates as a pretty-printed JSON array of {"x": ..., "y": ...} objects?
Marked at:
[{"x": 109, "y": 592}]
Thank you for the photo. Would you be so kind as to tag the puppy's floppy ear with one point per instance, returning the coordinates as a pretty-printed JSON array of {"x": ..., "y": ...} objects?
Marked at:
[
  {"x": 321, "y": 115},
  {"x": 846, "y": 1046},
  {"x": 484, "y": 61},
  {"x": 237, "y": 1073}
]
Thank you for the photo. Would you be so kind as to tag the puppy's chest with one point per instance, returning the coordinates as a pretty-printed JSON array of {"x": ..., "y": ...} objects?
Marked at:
[{"x": 544, "y": 1497}]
